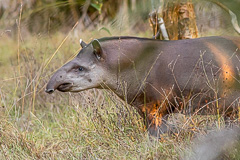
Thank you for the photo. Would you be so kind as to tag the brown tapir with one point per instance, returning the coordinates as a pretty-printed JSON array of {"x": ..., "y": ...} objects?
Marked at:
[{"x": 159, "y": 77}]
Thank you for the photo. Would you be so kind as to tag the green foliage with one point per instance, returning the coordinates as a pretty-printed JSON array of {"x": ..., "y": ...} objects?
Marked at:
[
  {"x": 105, "y": 29},
  {"x": 52, "y": 15},
  {"x": 97, "y": 4}
]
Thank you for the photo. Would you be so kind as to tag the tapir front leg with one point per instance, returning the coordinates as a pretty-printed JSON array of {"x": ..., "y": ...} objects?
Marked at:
[{"x": 155, "y": 115}]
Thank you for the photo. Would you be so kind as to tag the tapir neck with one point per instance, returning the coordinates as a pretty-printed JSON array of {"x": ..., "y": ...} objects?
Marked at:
[{"x": 127, "y": 64}]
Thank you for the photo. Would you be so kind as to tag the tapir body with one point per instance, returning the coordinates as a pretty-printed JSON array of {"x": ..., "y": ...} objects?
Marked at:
[{"x": 159, "y": 77}]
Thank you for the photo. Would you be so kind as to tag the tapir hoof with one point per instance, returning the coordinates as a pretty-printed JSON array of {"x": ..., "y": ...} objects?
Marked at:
[
  {"x": 157, "y": 131},
  {"x": 165, "y": 128}
]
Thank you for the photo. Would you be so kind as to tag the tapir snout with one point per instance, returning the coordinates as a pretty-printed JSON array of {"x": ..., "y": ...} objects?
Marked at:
[{"x": 59, "y": 81}]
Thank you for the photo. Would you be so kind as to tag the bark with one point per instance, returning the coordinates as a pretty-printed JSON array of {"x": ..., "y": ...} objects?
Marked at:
[{"x": 179, "y": 18}]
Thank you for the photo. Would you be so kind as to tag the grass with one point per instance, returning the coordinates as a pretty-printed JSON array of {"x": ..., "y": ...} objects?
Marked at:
[{"x": 93, "y": 124}]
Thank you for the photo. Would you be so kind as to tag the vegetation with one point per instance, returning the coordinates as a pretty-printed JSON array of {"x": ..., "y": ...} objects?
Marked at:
[{"x": 92, "y": 124}]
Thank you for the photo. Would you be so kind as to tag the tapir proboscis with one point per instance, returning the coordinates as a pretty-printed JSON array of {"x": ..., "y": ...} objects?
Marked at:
[{"x": 159, "y": 77}]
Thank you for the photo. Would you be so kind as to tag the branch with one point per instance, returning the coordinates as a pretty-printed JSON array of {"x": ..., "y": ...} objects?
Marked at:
[{"x": 233, "y": 16}]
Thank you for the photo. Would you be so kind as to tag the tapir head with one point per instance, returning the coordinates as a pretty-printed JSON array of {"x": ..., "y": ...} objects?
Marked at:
[{"x": 83, "y": 72}]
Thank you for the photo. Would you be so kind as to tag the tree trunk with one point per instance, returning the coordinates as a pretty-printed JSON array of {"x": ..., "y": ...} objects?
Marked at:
[{"x": 179, "y": 19}]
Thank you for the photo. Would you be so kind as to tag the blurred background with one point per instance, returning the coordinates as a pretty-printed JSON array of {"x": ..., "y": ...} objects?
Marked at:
[
  {"x": 50, "y": 16},
  {"x": 39, "y": 36}
]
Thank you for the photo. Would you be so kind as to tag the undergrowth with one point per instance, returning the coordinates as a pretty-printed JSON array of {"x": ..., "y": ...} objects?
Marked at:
[{"x": 93, "y": 124}]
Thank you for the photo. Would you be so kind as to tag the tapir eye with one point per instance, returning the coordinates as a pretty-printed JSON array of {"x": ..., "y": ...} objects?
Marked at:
[{"x": 80, "y": 68}]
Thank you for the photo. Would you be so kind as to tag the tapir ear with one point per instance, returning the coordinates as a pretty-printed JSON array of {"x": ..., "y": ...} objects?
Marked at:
[
  {"x": 97, "y": 49},
  {"x": 83, "y": 44}
]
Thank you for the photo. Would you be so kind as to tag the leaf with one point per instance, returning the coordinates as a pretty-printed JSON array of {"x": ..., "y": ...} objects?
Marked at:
[
  {"x": 97, "y": 6},
  {"x": 105, "y": 29}
]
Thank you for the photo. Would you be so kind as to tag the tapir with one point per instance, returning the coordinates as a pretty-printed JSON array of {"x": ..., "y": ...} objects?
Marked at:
[{"x": 159, "y": 77}]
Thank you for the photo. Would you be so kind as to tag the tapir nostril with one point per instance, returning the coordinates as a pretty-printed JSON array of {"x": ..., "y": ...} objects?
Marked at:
[{"x": 49, "y": 91}]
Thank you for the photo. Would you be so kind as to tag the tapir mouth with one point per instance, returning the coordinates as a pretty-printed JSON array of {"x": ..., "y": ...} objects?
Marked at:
[{"x": 65, "y": 87}]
